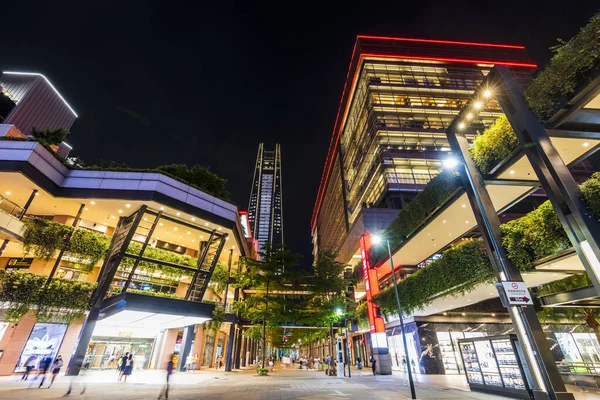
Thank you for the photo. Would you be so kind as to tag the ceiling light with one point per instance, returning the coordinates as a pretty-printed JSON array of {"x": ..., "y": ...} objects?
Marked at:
[
  {"x": 92, "y": 202},
  {"x": 189, "y": 232},
  {"x": 445, "y": 313},
  {"x": 145, "y": 219},
  {"x": 86, "y": 209},
  {"x": 127, "y": 205},
  {"x": 178, "y": 214},
  {"x": 219, "y": 228},
  {"x": 585, "y": 144},
  {"x": 8, "y": 193},
  {"x": 469, "y": 116},
  {"x": 162, "y": 208},
  {"x": 180, "y": 237},
  {"x": 105, "y": 223},
  {"x": 160, "y": 224},
  {"x": 167, "y": 233},
  {"x": 175, "y": 228},
  {"x": 468, "y": 299},
  {"x": 113, "y": 217},
  {"x": 461, "y": 125},
  {"x": 512, "y": 171},
  {"x": 444, "y": 221},
  {"x": 477, "y": 105},
  {"x": 193, "y": 240},
  {"x": 487, "y": 93},
  {"x": 120, "y": 211},
  {"x": 206, "y": 223},
  {"x": 233, "y": 247},
  {"x": 201, "y": 237},
  {"x": 493, "y": 314},
  {"x": 193, "y": 219},
  {"x": 464, "y": 205},
  {"x": 466, "y": 222},
  {"x": 227, "y": 238},
  {"x": 463, "y": 314}
]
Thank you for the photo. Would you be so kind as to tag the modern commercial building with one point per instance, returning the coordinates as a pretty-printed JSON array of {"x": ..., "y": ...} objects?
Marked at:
[
  {"x": 29, "y": 101},
  {"x": 265, "y": 209},
  {"x": 154, "y": 291},
  {"x": 389, "y": 137}
]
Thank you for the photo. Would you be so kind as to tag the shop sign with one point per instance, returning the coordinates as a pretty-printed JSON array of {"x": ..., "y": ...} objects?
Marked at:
[
  {"x": 516, "y": 294},
  {"x": 125, "y": 334},
  {"x": 19, "y": 263}
]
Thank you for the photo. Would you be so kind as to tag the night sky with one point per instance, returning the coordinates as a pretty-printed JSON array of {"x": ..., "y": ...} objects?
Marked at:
[{"x": 162, "y": 82}]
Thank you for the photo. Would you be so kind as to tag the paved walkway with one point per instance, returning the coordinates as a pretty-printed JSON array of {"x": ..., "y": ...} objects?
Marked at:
[{"x": 244, "y": 385}]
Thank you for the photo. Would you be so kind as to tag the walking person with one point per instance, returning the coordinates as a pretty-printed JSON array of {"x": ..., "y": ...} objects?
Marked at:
[
  {"x": 128, "y": 366},
  {"x": 29, "y": 364},
  {"x": 373, "y": 362},
  {"x": 122, "y": 361},
  {"x": 195, "y": 362},
  {"x": 43, "y": 368},
  {"x": 77, "y": 363},
  {"x": 405, "y": 368},
  {"x": 165, "y": 390},
  {"x": 359, "y": 365},
  {"x": 56, "y": 365},
  {"x": 188, "y": 363}
]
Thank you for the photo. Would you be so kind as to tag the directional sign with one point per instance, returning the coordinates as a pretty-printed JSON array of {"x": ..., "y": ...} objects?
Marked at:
[{"x": 517, "y": 293}]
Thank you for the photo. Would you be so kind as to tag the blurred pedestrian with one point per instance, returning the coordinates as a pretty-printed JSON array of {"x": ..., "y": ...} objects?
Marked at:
[
  {"x": 56, "y": 365},
  {"x": 128, "y": 367},
  {"x": 43, "y": 368},
  {"x": 359, "y": 365},
  {"x": 29, "y": 365},
  {"x": 195, "y": 362},
  {"x": 165, "y": 390},
  {"x": 122, "y": 361},
  {"x": 77, "y": 363},
  {"x": 373, "y": 362}
]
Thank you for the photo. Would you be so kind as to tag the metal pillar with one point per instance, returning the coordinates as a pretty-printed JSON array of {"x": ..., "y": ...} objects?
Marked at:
[
  {"x": 238, "y": 345},
  {"x": 29, "y": 200},
  {"x": 582, "y": 228},
  {"x": 244, "y": 349},
  {"x": 186, "y": 346},
  {"x": 3, "y": 247},
  {"x": 62, "y": 251},
  {"x": 547, "y": 380}
]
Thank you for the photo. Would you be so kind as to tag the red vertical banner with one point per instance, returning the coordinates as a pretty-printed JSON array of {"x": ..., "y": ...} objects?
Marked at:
[{"x": 376, "y": 322}]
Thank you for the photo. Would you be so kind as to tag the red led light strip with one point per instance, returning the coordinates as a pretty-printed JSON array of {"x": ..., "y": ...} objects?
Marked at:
[
  {"x": 397, "y": 39},
  {"x": 335, "y": 137}
]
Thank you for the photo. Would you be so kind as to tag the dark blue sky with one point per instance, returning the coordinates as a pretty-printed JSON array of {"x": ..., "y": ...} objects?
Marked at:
[{"x": 167, "y": 82}]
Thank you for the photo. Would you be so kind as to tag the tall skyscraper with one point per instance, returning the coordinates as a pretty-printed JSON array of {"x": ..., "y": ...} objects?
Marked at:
[
  {"x": 29, "y": 101},
  {"x": 389, "y": 134},
  {"x": 265, "y": 208}
]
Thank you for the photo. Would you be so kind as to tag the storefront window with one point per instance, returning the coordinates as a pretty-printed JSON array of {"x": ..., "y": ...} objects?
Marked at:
[{"x": 44, "y": 341}]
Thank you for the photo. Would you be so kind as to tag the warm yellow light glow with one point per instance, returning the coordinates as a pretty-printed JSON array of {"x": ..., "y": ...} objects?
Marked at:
[
  {"x": 461, "y": 125},
  {"x": 92, "y": 202},
  {"x": 477, "y": 105},
  {"x": 586, "y": 144},
  {"x": 127, "y": 205},
  {"x": 487, "y": 93},
  {"x": 8, "y": 193},
  {"x": 120, "y": 211}
]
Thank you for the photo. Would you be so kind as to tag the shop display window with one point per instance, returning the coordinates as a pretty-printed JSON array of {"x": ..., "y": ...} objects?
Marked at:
[{"x": 44, "y": 341}]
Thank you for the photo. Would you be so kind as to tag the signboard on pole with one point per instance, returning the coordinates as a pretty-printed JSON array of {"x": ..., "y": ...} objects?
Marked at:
[{"x": 517, "y": 294}]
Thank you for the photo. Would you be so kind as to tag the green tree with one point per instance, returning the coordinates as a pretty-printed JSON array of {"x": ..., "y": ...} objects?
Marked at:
[
  {"x": 269, "y": 304},
  {"x": 50, "y": 136},
  {"x": 327, "y": 304}
]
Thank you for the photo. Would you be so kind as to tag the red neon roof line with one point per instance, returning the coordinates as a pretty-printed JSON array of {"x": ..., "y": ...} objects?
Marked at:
[
  {"x": 446, "y": 59},
  {"x": 505, "y": 46},
  {"x": 334, "y": 138}
]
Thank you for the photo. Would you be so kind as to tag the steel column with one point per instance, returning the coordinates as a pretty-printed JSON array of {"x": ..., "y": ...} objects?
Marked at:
[
  {"x": 582, "y": 228},
  {"x": 29, "y": 200},
  {"x": 548, "y": 382}
]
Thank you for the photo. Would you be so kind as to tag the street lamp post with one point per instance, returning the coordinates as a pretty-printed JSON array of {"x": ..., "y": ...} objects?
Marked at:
[
  {"x": 375, "y": 240},
  {"x": 346, "y": 350}
]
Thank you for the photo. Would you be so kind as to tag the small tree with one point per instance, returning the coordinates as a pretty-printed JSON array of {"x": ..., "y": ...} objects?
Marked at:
[
  {"x": 50, "y": 136},
  {"x": 200, "y": 177}
]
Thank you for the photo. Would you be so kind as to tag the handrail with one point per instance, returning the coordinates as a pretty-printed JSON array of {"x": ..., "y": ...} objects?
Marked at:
[{"x": 10, "y": 207}]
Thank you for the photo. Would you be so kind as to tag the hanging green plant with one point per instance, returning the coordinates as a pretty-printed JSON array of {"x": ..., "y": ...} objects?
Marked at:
[
  {"x": 220, "y": 277},
  {"x": 62, "y": 301},
  {"x": 218, "y": 317},
  {"x": 44, "y": 238},
  {"x": 90, "y": 246},
  {"x": 494, "y": 145}
]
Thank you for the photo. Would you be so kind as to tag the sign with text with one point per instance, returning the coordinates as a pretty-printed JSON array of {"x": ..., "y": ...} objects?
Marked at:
[
  {"x": 19, "y": 263},
  {"x": 517, "y": 294}
]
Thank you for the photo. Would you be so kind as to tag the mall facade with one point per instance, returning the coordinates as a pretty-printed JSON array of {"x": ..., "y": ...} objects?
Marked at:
[
  {"x": 153, "y": 291},
  {"x": 389, "y": 141}
]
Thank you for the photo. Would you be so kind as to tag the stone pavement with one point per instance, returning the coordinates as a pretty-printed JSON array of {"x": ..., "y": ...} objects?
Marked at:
[{"x": 244, "y": 385}]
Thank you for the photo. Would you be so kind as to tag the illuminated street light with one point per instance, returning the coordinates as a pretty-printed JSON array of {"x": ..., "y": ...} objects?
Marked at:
[{"x": 450, "y": 163}]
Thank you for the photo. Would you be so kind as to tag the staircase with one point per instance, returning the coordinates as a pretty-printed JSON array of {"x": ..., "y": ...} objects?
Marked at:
[{"x": 206, "y": 264}]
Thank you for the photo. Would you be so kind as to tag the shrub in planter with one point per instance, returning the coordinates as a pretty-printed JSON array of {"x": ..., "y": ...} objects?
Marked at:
[
  {"x": 494, "y": 145},
  {"x": 262, "y": 371}
]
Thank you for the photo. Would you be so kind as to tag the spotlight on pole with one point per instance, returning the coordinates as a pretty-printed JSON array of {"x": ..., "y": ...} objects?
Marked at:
[
  {"x": 376, "y": 239},
  {"x": 450, "y": 163}
]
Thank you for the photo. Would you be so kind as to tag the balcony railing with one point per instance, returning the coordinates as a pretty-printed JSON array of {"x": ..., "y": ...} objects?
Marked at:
[{"x": 10, "y": 208}]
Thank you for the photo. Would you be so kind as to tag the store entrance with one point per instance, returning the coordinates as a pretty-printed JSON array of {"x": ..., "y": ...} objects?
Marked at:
[{"x": 104, "y": 352}]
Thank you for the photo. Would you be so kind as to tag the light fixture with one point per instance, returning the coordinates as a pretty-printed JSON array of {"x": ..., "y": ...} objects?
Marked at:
[
  {"x": 193, "y": 219},
  {"x": 464, "y": 206},
  {"x": 86, "y": 209},
  {"x": 463, "y": 314},
  {"x": 461, "y": 125},
  {"x": 162, "y": 208},
  {"x": 113, "y": 217},
  {"x": 37, "y": 194},
  {"x": 227, "y": 238},
  {"x": 487, "y": 94},
  {"x": 233, "y": 247},
  {"x": 189, "y": 233},
  {"x": 201, "y": 237},
  {"x": 127, "y": 205},
  {"x": 92, "y": 202},
  {"x": 167, "y": 232},
  {"x": 450, "y": 163},
  {"x": 8, "y": 193},
  {"x": 469, "y": 116},
  {"x": 178, "y": 214},
  {"x": 145, "y": 219},
  {"x": 180, "y": 237},
  {"x": 105, "y": 223},
  {"x": 206, "y": 223},
  {"x": 120, "y": 211},
  {"x": 586, "y": 144},
  {"x": 175, "y": 228},
  {"x": 477, "y": 105},
  {"x": 160, "y": 224},
  {"x": 193, "y": 241},
  {"x": 512, "y": 171},
  {"x": 445, "y": 313},
  {"x": 493, "y": 314},
  {"x": 219, "y": 228},
  {"x": 444, "y": 221},
  {"x": 466, "y": 222},
  {"x": 376, "y": 239}
]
